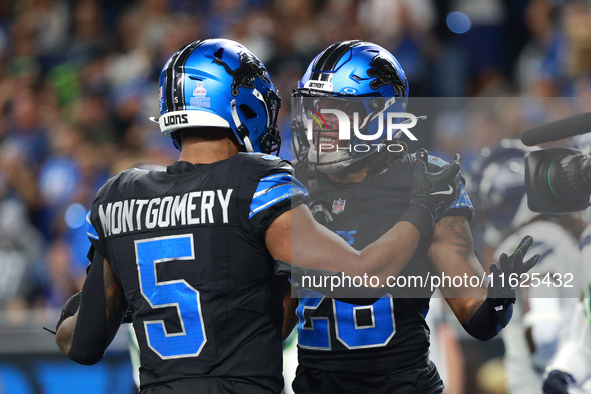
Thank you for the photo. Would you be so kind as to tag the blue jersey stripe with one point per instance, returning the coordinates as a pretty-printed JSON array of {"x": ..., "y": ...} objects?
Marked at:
[
  {"x": 279, "y": 193},
  {"x": 90, "y": 230},
  {"x": 463, "y": 200},
  {"x": 273, "y": 189},
  {"x": 436, "y": 160}
]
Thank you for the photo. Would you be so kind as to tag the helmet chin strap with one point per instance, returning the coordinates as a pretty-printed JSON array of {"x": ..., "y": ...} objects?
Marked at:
[
  {"x": 248, "y": 144},
  {"x": 241, "y": 129},
  {"x": 260, "y": 97}
]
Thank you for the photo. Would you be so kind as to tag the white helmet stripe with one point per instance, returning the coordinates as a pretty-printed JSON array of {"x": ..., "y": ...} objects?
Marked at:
[
  {"x": 260, "y": 97},
  {"x": 172, "y": 121}
]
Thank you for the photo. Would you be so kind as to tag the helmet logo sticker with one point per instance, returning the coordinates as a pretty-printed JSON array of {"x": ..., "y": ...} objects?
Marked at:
[
  {"x": 250, "y": 68},
  {"x": 199, "y": 90},
  {"x": 199, "y": 99},
  {"x": 338, "y": 206},
  {"x": 385, "y": 74}
]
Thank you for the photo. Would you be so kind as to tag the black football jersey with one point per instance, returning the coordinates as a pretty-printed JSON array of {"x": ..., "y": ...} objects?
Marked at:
[
  {"x": 187, "y": 245},
  {"x": 391, "y": 335}
]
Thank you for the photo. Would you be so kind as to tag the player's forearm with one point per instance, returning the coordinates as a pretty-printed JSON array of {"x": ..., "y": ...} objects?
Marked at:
[
  {"x": 390, "y": 253},
  {"x": 311, "y": 245},
  {"x": 65, "y": 334},
  {"x": 101, "y": 310},
  {"x": 385, "y": 257},
  {"x": 476, "y": 313},
  {"x": 483, "y": 322},
  {"x": 469, "y": 306}
]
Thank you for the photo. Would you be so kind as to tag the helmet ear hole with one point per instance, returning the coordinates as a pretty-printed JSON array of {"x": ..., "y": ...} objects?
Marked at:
[{"x": 247, "y": 111}]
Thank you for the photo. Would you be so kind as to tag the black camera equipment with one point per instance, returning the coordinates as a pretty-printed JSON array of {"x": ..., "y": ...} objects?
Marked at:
[{"x": 557, "y": 180}]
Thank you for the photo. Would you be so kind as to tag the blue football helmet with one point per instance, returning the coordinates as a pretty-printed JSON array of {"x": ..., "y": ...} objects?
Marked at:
[
  {"x": 349, "y": 71},
  {"x": 498, "y": 186},
  {"x": 219, "y": 83}
]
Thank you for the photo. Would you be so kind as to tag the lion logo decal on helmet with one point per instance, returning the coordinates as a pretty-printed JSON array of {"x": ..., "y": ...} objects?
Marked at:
[
  {"x": 250, "y": 67},
  {"x": 385, "y": 74}
]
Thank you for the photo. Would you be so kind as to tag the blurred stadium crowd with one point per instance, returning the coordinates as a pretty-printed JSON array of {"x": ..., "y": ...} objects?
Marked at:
[{"x": 79, "y": 79}]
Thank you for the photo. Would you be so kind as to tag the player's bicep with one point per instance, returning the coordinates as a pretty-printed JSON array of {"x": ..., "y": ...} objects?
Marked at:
[
  {"x": 278, "y": 237},
  {"x": 276, "y": 194},
  {"x": 452, "y": 253}
]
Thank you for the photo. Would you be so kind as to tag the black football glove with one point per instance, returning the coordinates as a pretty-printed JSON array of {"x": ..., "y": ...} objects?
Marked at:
[
  {"x": 436, "y": 191},
  {"x": 432, "y": 193},
  {"x": 557, "y": 382},
  {"x": 500, "y": 292},
  {"x": 69, "y": 309}
]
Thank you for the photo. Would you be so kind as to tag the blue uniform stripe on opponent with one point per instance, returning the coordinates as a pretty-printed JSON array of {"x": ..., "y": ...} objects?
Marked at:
[
  {"x": 90, "y": 230},
  {"x": 273, "y": 189}
]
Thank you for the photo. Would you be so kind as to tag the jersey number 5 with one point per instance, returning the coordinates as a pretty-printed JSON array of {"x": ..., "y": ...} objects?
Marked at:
[{"x": 150, "y": 253}]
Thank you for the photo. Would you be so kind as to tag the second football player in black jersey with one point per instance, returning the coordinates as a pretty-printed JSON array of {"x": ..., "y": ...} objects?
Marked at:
[{"x": 360, "y": 186}]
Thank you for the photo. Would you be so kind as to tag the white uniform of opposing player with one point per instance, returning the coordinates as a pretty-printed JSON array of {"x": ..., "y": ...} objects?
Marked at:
[
  {"x": 540, "y": 313},
  {"x": 574, "y": 353},
  {"x": 545, "y": 311}
]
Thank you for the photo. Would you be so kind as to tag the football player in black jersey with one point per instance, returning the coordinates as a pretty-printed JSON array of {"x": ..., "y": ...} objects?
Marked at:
[
  {"x": 361, "y": 186},
  {"x": 193, "y": 249}
]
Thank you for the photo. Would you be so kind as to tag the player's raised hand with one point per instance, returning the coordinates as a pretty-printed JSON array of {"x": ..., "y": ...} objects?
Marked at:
[
  {"x": 507, "y": 275},
  {"x": 436, "y": 191},
  {"x": 432, "y": 192}
]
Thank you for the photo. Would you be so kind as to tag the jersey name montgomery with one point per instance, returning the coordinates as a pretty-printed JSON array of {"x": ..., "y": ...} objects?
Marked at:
[{"x": 197, "y": 207}]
